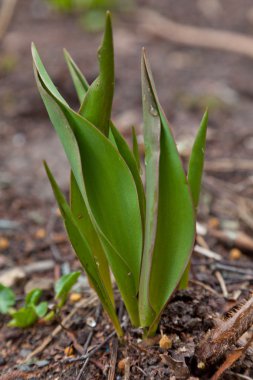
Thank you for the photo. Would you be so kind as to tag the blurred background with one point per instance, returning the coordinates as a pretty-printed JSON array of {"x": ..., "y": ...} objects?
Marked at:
[{"x": 201, "y": 54}]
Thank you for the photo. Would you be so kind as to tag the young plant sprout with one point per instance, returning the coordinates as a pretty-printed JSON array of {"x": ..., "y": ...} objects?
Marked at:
[{"x": 144, "y": 236}]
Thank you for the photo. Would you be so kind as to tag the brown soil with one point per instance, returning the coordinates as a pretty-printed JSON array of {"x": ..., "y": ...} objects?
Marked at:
[{"x": 187, "y": 80}]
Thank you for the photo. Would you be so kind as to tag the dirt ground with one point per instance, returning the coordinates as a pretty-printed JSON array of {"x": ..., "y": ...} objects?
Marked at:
[{"x": 188, "y": 80}]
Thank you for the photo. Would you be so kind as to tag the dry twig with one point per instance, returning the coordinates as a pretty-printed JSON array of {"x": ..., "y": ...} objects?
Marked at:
[
  {"x": 160, "y": 26},
  {"x": 113, "y": 360}
]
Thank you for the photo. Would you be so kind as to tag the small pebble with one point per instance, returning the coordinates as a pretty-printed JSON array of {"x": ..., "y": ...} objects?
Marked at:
[
  {"x": 4, "y": 243},
  {"x": 165, "y": 342},
  {"x": 235, "y": 254},
  {"x": 40, "y": 233},
  {"x": 213, "y": 223},
  {"x": 69, "y": 351},
  {"x": 75, "y": 297},
  {"x": 42, "y": 363},
  {"x": 91, "y": 322}
]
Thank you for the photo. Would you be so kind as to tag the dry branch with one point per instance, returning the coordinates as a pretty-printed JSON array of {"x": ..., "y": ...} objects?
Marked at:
[{"x": 158, "y": 25}]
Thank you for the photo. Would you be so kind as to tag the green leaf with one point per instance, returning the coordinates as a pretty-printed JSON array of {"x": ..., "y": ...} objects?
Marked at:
[
  {"x": 136, "y": 152},
  {"x": 175, "y": 231},
  {"x": 195, "y": 170},
  {"x": 115, "y": 136},
  {"x": 86, "y": 227},
  {"x": 152, "y": 131},
  {"x": 64, "y": 285},
  {"x": 196, "y": 162},
  {"x": 33, "y": 297},
  {"x": 127, "y": 155},
  {"x": 24, "y": 317},
  {"x": 41, "y": 309},
  {"x": 107, "y": 178},
  {"x": 97, "y": 104},
  {"x": 80, "y": 83},
  {"x": 7, "y": 299},
  {"x": 83, "y": 252},
  {"x": 49, "y": 84}
]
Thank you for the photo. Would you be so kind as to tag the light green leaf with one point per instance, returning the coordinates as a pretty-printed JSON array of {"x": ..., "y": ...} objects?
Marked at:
[
  {"x": 33, "y": 297},
  {"x": 196, "y": 162},
  {"x": 136, "y": 152},
  {"x": 152, "y": 131},
  {"x": 128, "y": 156},
  {"x": 97, "y": 103},
  {"x": 7, "y": 299},
  {"x": 107, "y": 178},
  {"x": 24, "y": 317},
  {"x": 49, "y": 84},
  {"x": 86, "y": 227},
  {"x": 195, "y": 170},
  {"x": 175, "y": 222},
  {"x": 115, "y": 136},
  {"x": 83, "y": 252},
  {"x": 41, "y": 309},
  {"x": 80, "y": 83},
  {"x": 64, "y": 284}
]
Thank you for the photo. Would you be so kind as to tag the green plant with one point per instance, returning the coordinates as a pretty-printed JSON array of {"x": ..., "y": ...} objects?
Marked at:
[
  {"x": 144, "y": 237},
  {"x": 32, "y": 311}
]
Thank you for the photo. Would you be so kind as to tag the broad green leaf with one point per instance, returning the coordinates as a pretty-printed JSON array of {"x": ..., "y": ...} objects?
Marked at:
[
  {"x": 152, "y": 131},
  {"x": 109, "y": 192},
  {"x": 136, "y": 152},
  {"x": 7, "y": 299},
  {"x": 127, "y": 155},
  {"x": 41, "y": 309},
  {"x": 72, "y": 151},
  {"x": 195, "y": 170},
  {"x": 49, "y": 84},
  {"x": 97, "y": 104},
  {"x": 175, "y": 230},
  {"x": 33, "y": 297},
  {"x": 57, "y": 118},
  {"x": 114, "y": 135},
  {"x": 80, "y": 83},
  {"x": 64, "y": 284},
  {"x": 83, "y": 252},
  {"x": 196, "y": 162},
  {"x": 24, "y": 317},
  {"x": 86, "y": 227}
]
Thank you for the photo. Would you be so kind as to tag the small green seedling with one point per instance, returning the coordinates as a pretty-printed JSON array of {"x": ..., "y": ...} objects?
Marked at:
[
  {"x": 63, "y": 286},
  {"x": 144, "y": 236},
  {"x": 31, "y": 312},
  {"x": 7, "y": 299}
]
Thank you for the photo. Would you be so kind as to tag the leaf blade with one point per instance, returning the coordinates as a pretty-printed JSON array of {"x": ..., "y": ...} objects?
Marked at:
[
  {"x": 97, "y": 104},
  {"x": 175, "y": 230},
  {"x": 80, "y": 83},
  {"x": 152, "y": 130},
  {"x": 195, "y": 172},
  {"x": 80, "y": 212},
  {"x": 83, "y": 252},
  {"x": 196, "y": 162}
]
